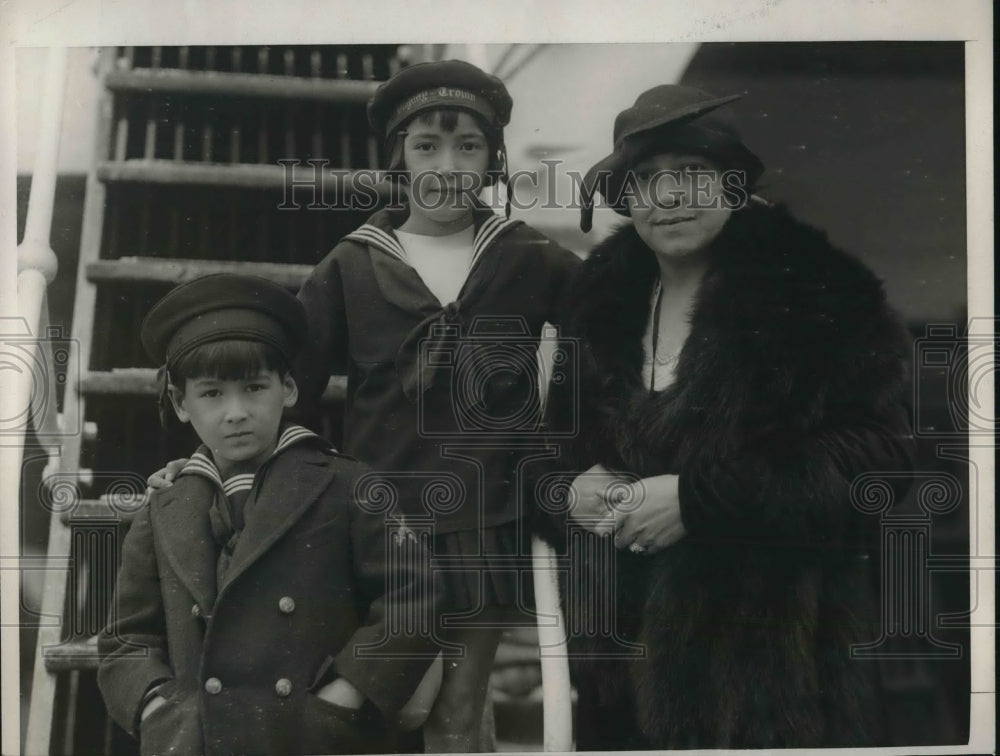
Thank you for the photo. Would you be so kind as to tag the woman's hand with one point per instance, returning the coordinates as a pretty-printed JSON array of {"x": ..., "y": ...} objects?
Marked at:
[
  {"x": 154, "y": 703},
  {"x": 165, "y": 478},
  {"x": 592, "y": 497},
  {"x": 651, "y": 516},
  {"x": 341, "y": 693}
]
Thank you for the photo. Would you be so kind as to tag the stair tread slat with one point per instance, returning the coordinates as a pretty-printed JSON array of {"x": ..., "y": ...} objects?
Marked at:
[
  {"x": 234, "y": 84},
  {"x": 178, "y": 270},
  {"x": 122, "y": 507},
  {"x": 142, "y": 382},
  {"x": 261, "y": 176},
  {"x": 79, "y": 654}
]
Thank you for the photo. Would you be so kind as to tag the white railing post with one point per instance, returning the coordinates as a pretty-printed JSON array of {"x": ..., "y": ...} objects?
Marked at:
[
  {"x": 557, "y": 704},
  {"x": 37, "y": 266}
]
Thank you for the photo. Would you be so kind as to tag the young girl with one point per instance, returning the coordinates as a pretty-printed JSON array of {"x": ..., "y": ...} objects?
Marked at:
[{"x": 417, "y": 305}]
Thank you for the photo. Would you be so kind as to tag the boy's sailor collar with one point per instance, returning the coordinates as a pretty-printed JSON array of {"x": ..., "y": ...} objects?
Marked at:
[
  {"x": 378, "y": 232},
  {"x": 201, "y": 462}
]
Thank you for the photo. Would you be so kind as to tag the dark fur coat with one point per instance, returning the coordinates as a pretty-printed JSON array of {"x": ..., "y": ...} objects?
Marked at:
[{"x": 791, "y": 383}]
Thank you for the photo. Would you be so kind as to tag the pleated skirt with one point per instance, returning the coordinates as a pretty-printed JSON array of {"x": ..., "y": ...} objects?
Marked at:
[{"x": 489, "y": 567}]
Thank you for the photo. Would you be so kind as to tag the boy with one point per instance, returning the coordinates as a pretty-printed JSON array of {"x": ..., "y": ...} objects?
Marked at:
[{"x": 249, "y": 588}]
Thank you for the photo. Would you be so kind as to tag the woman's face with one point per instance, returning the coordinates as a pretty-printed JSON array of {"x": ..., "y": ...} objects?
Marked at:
[{"x": 677, "y": 203}]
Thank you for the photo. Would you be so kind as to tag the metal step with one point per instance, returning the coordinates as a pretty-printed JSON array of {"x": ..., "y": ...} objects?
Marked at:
[
  {"x": 142, "y": 382},
  {"x": 72, "y": 655},
  {"x": 176, "y": 271},
  {"x": 120, "y": 507},
  {"x": 176, "y": 81},
  {"x": 251, "y": 176}
]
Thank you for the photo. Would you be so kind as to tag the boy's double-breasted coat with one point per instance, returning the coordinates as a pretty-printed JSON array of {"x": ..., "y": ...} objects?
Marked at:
[{"x": 306, "y": 589}]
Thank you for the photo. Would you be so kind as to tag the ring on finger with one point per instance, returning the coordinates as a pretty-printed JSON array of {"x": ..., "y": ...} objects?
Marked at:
[{"x": 637, "y": 548}]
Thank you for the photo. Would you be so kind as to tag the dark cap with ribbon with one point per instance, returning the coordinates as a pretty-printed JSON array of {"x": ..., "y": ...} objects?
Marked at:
[
  {"x": 448, "y": 85},
  {"x": 223, "y": 307},
  {"x": 436, "y": 85},
  {"x": 667, "y": 118}
]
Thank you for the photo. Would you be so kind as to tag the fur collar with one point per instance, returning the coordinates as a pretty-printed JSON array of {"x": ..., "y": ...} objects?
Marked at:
[{"x": 786, "y": 331}]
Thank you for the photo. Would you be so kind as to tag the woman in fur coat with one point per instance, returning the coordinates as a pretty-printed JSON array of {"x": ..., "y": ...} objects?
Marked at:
[{"x": 737, "y": 374}]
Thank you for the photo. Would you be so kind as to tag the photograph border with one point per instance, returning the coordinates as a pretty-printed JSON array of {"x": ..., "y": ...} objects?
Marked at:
[{"x": 96, "y": 23}]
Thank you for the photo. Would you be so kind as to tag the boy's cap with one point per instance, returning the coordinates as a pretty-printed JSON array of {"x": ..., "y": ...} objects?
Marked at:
[
  {"x": 223, "y": 307},
  {"x": 441, "y": 84}
]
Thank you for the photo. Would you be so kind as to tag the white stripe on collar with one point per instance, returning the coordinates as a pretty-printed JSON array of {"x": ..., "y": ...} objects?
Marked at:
[
  {"x": 488, "y": 231},
  {"x": 202, "y": 464},
  {"x": 375, "y": 236},
  {"x": 237, "y": 483},
  {"x": 491, "y": 228},
  {"x": 292, "y": 435}
]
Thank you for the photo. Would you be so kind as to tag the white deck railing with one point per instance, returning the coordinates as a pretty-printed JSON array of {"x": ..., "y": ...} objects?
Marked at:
[{"x": 28, "y": 401}]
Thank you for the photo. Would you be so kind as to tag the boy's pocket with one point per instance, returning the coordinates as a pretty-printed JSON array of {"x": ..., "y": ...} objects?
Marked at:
[
  {"x": 343, "y": 713},
  {"x": 330, "y": 728},
  {"x": 172, "y": 728}
]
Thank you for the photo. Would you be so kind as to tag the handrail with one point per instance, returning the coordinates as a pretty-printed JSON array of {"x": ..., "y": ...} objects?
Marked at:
[{"x": 33, "y": 394}]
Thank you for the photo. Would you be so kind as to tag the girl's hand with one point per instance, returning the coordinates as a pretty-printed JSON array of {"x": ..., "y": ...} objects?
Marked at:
[
  {"x": 651, "y": 520},
  {"x": 591, "y": 499},
  {"x": 342, "y": 693},
  {"x": 165, "y": 478},
  {"x": 154, "y": 703}
]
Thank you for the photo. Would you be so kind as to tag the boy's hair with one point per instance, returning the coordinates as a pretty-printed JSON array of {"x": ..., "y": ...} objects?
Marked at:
[
  {"x": 447, "y": 119},
  {"x": 231, "y": 360}
]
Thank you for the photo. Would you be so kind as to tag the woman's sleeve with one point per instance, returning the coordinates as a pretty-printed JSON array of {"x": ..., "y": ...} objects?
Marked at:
[
  {"x": 792, "y": 482},
  {"x": 325, "y": 348},
  {"x": 793, "y": 488}
]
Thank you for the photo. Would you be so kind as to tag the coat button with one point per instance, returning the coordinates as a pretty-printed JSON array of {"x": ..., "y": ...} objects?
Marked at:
[
  {"x": 195, "y": 610},
  {"x": 286, "y": 605},
  {"x": 213, "y": 686},
  {"x": 283, "y": 687}
]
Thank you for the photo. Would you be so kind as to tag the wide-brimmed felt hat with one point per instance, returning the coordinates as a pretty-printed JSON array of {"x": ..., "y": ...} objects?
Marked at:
[
  {"x": 666, "y": 118},
  {"x": 435, "y": 85}
]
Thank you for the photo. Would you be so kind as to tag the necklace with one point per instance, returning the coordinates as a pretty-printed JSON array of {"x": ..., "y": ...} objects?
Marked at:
[{"x": 658, "y": 359}]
